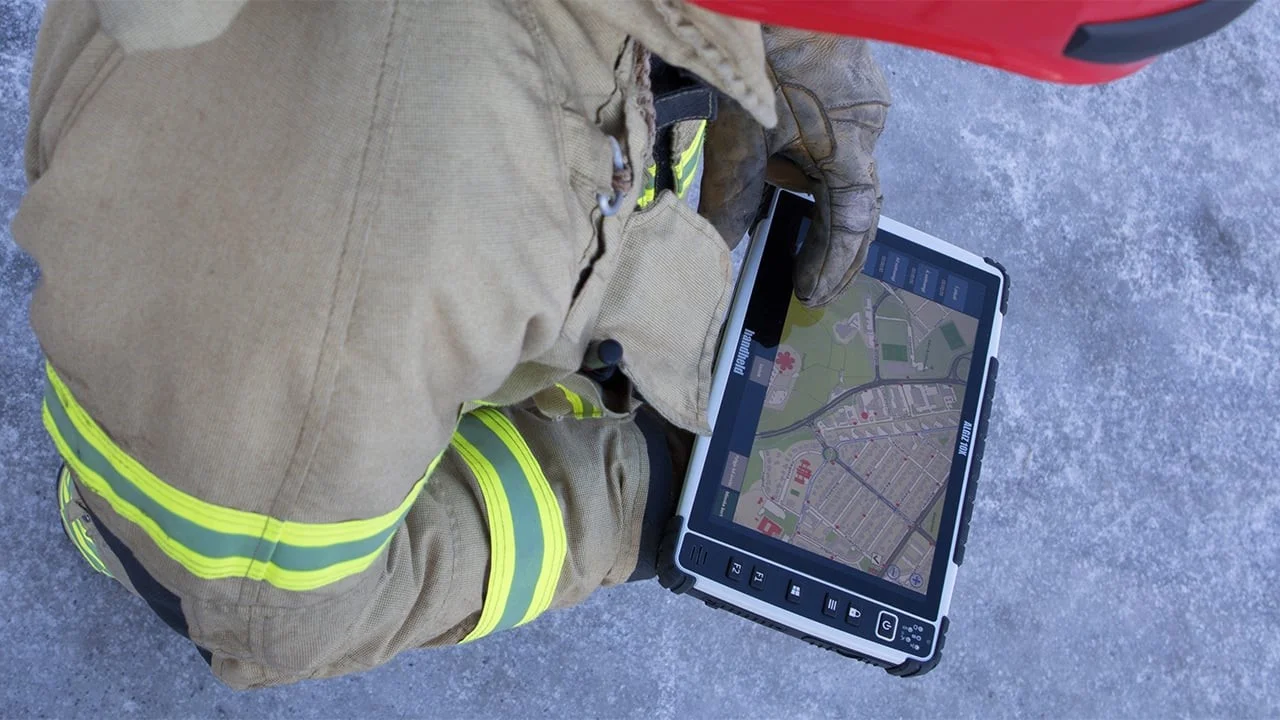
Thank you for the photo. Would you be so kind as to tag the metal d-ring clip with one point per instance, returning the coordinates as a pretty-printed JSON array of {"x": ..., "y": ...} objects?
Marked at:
[{"x": 609, "y": 206}]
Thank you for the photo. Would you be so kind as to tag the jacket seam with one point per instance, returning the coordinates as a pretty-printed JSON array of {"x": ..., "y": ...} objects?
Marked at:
[
  {"x": 353, "y": 244},
  {"x": 108, "y": 67},
  {"x": 636, "y": 508},
  {"x": 540, "y": 41},
  {"x": 254, "y": 617}
]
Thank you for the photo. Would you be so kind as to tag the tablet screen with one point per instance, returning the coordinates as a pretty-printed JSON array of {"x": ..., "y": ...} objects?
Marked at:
[{"x": 847, "y": 418}]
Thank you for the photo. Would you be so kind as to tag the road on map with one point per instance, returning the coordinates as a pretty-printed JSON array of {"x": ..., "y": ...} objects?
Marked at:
[{"x": 852, "y": 391}]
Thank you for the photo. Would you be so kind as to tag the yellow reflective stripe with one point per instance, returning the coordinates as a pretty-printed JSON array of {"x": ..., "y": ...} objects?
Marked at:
[
  {"x": 575, "y": 400},
  {"x": 210, "y": 568},
  {"x": 684, "y": 171},
  {"x": 75, "y": 527},
  {"x": 582, "y": 408},
  {"x": 647, "y": 195},
  {"x": 695, "y": 147},
  {"x": 64, "y": 488},
  {"x": 528, "y": 540},
  {"x": 79, "y": 540},
  {"x": 686, "y": 168},
  {"x": 502, "y": 541},
  {"x": 286, "y": 554},
  {"x": 87, "y": 548},
  {"x": 217, "y": 517},
  {"x": 555, "y": 539}
]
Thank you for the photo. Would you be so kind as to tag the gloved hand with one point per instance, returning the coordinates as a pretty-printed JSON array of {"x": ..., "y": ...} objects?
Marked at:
[{"x": 832, "y": 101}]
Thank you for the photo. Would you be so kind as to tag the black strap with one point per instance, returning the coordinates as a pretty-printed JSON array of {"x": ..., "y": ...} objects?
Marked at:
[
  {"x": 690, "y": 103},
  {"x": 677, "y": 96},
  {"x": 661, "y": 502}
]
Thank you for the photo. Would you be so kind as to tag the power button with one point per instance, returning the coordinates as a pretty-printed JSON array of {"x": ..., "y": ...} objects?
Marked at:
[{"x": 887, "y": 626}]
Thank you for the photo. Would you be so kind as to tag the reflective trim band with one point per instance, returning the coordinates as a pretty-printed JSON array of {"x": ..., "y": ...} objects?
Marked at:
[
  {"x": 87, "y": 548},
  {"x": 64, "y": 496},
  {"x": 550, "y": 519},
  {"x": 582, "y": 408},
  {"x": 75, "y": 526},
  {"x": 527, "y": 536},
  {"x": 687, "y": 168},
  {"x": 213, "y": 541},
  {"x": 684, "y": 172},
  {"x": 647, "y": 195}
]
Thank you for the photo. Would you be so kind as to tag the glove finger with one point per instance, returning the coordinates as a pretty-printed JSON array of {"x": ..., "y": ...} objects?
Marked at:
[
  {"x": 835, "y": 247},
  {"x": 734, "y": 159}
]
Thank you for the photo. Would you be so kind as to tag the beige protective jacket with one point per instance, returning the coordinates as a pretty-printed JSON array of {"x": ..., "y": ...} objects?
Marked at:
[{"x": 287, "y": 248}]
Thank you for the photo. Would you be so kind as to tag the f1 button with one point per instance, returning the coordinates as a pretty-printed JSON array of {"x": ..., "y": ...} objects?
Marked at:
[{"x": 887, "y": 626}]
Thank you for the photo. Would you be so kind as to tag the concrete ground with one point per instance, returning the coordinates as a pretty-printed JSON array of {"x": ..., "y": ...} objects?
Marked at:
[{"x": 1125, "y": 553}]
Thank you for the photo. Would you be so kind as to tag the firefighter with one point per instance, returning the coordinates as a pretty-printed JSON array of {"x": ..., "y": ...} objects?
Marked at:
[
  {"x": 326, "y": 289},
  {"x": 349, "y": 309}
]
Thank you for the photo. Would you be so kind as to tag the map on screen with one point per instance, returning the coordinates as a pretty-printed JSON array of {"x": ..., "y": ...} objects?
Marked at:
[{"x": 852, "y": 454}]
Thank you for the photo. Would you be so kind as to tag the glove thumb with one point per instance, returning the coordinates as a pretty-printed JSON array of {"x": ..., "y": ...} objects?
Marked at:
[{"x": 733, "y": 171}]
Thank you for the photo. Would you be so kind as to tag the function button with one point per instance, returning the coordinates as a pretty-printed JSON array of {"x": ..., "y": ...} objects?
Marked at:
[
  {"x": 735, "y": 570},
  {"x": 887, "y": 626},
  {"x": 831, "y": 606},
  {"x": 793, "y": 592},
  {"x": 757, "y": 578},
  {"x": 853, "y": 616}
]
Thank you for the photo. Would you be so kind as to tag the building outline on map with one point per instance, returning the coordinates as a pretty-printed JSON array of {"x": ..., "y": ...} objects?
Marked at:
[{"x": 853, "y": 453}]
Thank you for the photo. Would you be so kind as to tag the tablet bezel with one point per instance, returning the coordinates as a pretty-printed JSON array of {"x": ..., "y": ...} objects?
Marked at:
[{"x": 768, "y": 280}]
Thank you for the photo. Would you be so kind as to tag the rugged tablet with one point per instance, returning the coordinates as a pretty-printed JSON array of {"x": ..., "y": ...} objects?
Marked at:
[{"x": 832, "y": 500}]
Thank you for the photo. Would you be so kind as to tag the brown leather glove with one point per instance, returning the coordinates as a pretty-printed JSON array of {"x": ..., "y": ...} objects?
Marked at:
[{"x": 832, "y": 101}]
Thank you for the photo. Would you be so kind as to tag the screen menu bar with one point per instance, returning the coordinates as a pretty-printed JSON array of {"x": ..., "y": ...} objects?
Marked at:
[{"x": 903, "y": 271}]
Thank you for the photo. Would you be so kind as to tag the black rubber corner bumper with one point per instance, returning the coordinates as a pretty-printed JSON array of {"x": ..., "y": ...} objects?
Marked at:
[{"x": 1129, "y": 41}]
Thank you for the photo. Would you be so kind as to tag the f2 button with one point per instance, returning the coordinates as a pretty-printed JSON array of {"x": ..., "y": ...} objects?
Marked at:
[{"x": 734, "y": 571}]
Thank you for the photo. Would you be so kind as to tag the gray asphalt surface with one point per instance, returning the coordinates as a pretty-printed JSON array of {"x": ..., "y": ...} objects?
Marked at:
[{"x": 1124, "y": 559}]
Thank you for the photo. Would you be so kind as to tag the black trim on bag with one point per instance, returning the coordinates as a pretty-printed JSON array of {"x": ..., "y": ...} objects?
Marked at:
[{"x": 1133, "y": 40}]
